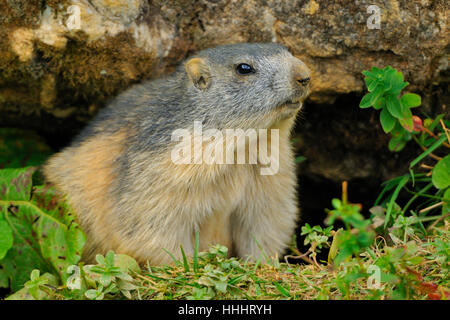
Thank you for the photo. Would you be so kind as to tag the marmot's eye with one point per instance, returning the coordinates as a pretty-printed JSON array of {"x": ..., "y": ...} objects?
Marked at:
[{"x": 244, "y": 68}]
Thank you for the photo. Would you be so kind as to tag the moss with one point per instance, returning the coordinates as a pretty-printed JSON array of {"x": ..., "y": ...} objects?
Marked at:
[
  {"x": 57, "y": 4},
  {"x": 16, "y": 14},
  {"x": 90, "y": 72},
  {"x": 19, "y": 13},
  {"x": 83, "y": 74}
]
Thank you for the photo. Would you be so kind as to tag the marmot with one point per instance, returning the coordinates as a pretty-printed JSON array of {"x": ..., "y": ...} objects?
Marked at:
[{"x": 130, "y": 197}]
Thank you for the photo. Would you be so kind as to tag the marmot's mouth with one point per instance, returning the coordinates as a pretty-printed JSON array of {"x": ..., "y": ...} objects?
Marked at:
[{"x": 293, "y": 103}]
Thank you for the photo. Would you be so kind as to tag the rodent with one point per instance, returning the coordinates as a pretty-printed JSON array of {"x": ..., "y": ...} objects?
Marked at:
[{"x": 131, "y": 198}]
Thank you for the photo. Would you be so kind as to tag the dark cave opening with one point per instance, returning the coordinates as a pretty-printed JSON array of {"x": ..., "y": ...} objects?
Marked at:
[{"x": 342, "y": 142}]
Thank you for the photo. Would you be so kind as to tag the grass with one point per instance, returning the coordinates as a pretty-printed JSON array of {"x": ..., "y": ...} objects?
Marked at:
[
  {"x": 218, "y": 277},
  {"x": 417, "y": 269}
]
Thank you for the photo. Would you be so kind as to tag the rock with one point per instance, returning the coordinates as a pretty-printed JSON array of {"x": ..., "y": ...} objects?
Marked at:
[{"x": 332, "y": 37}]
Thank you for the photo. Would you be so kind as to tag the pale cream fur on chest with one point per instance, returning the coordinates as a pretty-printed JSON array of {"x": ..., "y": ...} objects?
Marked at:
[{"x": 226, "y": 187}]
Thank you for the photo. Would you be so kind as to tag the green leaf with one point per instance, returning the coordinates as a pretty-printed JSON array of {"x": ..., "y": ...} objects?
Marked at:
[
  {"x": 105, "y": 279},
  {"x": 411, "y": 100},
  {"x": 380, "y": 104},
  {"x": 15, "y": 184},
  {"x": 366, "y": 101},
  {"x": 397, "y": 84},
  {"x": 35, "y": 275},
  {"x": 406, "y": 121},
  {"x": 109, "y": 259},
  {"x": 389, "y": 278},
  {"x": 46, "y": 235},
  {"x": 371, "y": 87},
  {"x": 334, "y": 249},
  {"x": 4, "y": 280},
  {"x": 387, "y": 78},
  {"x": 446, "y": 206},
  {"x": 60, "y": 238},
  {"x": 220, "y": 286},
  {"x": 387, "y": 120},
  {"x": 23, "y": 257},
  {"x": 377, "y": 71},
  {"x": 372, "y": 97},
  {"x": 441, "y": 173},
  {"x": 6, "y": 238},
  {"x": 376, "y": 94},
  {"x": 369, "y": 74},
  {"x": 126, "y": 263},
  {"x": 369, "y": 81},
  {"x": 100, "y": 259},
  {"x": 347, "y": 247},
  {"x": 394, "y": 107},
  {"x": 25, "y": 294},
  {"x": 396, "y": 144},
  {"x": 336, "y": 203}
]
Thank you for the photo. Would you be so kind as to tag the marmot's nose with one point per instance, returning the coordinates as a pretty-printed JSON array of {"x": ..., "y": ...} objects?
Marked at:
[{"x": 301, "y": 75}]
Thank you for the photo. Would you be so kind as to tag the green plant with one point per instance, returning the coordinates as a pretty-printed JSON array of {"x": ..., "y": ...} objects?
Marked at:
[
  {"x": 107, "y": 277},
  {"x": 317, "y": 237},
  {"x": 357, "y": 235},
  {"x": 38, "y": 229},
  {"x": 385, "y": 86},
  {"x": 110, "y": 278},
  {"x": 36, "y": 286}
]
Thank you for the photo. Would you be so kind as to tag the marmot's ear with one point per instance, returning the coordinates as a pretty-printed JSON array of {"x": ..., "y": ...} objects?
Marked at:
[{"x": 198, "y": 72}]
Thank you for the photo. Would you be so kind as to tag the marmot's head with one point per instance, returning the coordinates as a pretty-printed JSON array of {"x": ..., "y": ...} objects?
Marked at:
[{"x": 246, "y": 85}]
